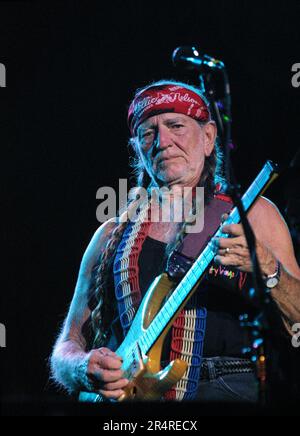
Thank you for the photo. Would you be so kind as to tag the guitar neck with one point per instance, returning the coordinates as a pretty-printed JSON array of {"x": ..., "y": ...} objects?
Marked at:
[{"x": 184, "y": 289}]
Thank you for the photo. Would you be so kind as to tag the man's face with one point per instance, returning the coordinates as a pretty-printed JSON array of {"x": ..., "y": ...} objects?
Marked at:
[{"x": 174, "y": 147}]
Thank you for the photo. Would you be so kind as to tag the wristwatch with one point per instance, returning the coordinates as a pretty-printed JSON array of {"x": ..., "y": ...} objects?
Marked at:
[{"x": 272, "y": 280}]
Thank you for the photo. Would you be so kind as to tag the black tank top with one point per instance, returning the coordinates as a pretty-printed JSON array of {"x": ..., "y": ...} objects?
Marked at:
[{"x": 224, "y": 335}]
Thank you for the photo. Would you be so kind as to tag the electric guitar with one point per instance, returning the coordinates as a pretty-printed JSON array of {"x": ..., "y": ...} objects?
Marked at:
[{"x": 141, "y": 349}]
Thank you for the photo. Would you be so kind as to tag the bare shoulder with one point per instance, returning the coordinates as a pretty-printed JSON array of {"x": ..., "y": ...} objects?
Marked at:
[
  {"x": 267, "y": 220},
  {"x": 97, "y": 245},
  {"x": 266, "y": 217},
  {"x": 271, "y": 229}
]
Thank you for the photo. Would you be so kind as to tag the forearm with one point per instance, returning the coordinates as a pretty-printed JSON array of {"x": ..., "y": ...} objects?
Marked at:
[
  {"x": 286, "y": 293},
  {"x": 270, "y": 247},
  {"x": 67, "y": 365},
  {"x": 287, "y": 296}
]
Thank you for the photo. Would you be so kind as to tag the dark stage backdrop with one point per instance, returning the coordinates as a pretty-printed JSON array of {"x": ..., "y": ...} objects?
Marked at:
[{"x": 72, "y": 68}]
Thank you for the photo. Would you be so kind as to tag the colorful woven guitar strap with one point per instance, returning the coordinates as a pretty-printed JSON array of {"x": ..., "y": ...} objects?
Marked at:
[{"x": 126, "y": 269}]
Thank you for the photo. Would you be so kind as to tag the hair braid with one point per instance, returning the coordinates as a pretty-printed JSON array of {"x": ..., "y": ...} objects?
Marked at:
[{"x": 103, "y": 313}]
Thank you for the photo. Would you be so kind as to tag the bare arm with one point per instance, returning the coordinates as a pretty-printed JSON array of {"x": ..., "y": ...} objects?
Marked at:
[
  {"x": 71, "y": 365},
  {"x": 274, "y": 234},
  {"x": 273, "y": 242}
]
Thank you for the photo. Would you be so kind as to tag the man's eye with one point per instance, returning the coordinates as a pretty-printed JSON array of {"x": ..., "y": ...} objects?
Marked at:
[
  {"x": 177, "y": 126},
  {"x": 147, "y": 134}
]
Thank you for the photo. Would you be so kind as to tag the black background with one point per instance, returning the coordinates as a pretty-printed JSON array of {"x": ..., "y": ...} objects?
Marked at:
[{"x": 72, "y": 68}]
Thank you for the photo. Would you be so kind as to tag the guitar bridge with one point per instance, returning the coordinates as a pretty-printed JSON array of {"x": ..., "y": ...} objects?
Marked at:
[{"x": 137, "y": 364}]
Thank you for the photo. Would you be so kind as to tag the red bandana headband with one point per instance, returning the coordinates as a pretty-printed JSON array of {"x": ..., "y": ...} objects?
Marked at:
[{"x": 166, "y": 98}]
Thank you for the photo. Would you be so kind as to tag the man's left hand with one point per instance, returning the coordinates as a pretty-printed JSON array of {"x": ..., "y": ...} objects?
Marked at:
[{"x": 234, "y": 251}]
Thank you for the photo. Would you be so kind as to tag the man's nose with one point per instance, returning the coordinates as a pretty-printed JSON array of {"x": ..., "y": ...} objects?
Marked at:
[{"x": 163, "y": 139}]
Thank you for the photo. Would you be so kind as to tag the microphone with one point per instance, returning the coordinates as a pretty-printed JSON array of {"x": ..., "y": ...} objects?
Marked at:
[{"x": 192, "y": 58}]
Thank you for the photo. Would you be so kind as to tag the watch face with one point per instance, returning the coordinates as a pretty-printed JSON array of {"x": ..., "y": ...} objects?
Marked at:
[{"x": 272, "y": 282}]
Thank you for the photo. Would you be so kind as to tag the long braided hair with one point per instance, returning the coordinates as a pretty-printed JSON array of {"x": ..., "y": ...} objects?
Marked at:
[{"x": 105, "y": 309}]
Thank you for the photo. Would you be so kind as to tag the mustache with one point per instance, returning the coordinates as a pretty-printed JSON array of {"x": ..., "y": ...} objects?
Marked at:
[{"x": 166, "y": 157}]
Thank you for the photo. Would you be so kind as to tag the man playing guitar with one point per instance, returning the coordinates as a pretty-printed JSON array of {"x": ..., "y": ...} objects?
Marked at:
[{"x": 174, "y": 140}]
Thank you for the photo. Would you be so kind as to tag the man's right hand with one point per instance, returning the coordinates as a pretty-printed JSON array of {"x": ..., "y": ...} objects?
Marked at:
[{"x": 105, "y": 374}]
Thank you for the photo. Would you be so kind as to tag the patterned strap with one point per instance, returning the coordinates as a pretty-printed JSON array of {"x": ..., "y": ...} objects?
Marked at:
[
  {"x": 126, "y": 269},
  {"x": 188, "y": 334}
]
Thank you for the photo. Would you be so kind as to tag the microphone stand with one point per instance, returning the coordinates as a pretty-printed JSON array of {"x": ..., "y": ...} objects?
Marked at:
[{"x": 260, "y": 324}]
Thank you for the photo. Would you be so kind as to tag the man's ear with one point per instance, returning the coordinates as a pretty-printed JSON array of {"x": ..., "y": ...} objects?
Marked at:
[{"x": 210, "y": 135}]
